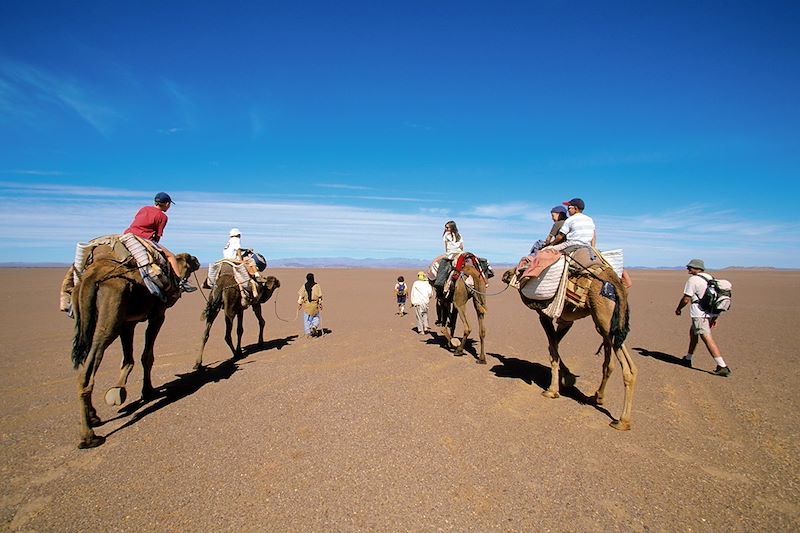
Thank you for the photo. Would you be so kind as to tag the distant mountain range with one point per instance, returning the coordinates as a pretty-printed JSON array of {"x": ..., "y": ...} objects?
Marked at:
[{"x": 397, "y": 263}]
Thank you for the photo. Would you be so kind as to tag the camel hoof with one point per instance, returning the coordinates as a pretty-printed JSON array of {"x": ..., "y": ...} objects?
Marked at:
[
  {"x": 550, "y": 394},
  {"x": 92, "y": 442},
  {"x": 620, "y": 425},
  {"x": 148, "y": 394},
  {"x": 116, "y": 395},
  {"x": 480, "y": 361}
]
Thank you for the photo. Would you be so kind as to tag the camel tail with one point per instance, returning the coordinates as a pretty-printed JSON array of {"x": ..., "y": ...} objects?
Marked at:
[
  {"x": 85, "y": 309},
  {"x": 620, "y": 320}
]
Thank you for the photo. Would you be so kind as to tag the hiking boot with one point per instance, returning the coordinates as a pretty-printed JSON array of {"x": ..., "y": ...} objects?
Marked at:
[
  {"x": 686, "y": 362},
  {"x": 723, "y": 371},
  {"x": 185, "y": 287}
]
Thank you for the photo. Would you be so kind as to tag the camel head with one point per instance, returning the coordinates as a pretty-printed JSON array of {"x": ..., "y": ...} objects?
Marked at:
[
  {"x": 507, "y": 275},
  {"x": 188, "y": 264},
  {"x": 270, "y": 285}
]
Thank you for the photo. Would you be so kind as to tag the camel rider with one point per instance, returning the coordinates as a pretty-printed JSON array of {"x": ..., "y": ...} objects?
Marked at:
[
  {"x": 233, "y": 251},
  {"x": 578, "y": 230},
  {"x": 233, "y": 248},
  {"x": 453, "y": 244},
  {"x": 149, "y": 223}
]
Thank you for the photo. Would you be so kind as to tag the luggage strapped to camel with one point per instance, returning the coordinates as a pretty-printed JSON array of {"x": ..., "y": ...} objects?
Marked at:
[
  {"x": 245, "y": 273},
  {"x": 565, "y": 281},
  {"x": 151, "y": 264},
  {"x": 445, "y": 272}
]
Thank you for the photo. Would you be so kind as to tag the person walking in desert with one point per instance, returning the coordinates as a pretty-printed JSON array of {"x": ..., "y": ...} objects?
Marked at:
[{"x": 702, "y": 322}]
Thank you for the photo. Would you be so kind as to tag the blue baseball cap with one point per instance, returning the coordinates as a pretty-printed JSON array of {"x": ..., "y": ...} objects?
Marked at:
[
  {"x": 163, "y": 198},
  {"x": 559, "y": 209}
]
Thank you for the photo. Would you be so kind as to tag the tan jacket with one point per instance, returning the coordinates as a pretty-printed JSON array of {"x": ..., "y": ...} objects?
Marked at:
[{"x": 311, "y": 308}]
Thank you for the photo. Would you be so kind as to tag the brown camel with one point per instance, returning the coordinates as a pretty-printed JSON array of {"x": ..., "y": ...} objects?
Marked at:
[
  {"x": 226, "y": 295},
  {"x": 108, "y": 302},
  {"x": 461, "y": 294},
  {"x": 611, "y": 322}
]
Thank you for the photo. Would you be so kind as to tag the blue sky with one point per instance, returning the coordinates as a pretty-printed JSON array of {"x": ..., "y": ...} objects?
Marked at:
[{"x": 358, "y": 128}]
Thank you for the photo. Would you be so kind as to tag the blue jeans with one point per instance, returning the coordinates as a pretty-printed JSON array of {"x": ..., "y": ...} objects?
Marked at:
[{"x": 310, "y": 322}]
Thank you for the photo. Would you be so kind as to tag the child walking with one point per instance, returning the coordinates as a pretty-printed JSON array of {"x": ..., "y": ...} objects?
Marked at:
[{"x": 401, "y": 291}]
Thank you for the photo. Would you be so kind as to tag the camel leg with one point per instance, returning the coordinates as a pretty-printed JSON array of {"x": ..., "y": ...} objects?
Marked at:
[
  {"x": 482, "y": 333},
  {"x": 554, "y": 337},
  {"x": 442, "y": 308},
  {"x": 261, "y": 323},
  {"x": 86, "y": 376},
  {"x": 608, "y": 368},
  {"x": 116, "y": 395},
  {"x": 239, "y": 332},
  {"x": 211, "y": 315},
  {"x": 461, "y": 311},
  {"x": 228, "y": 336},
  {"x": 629, "y": 373},
  {"x": 154, "y": 323},
  {"x": 198, "y": 364}
]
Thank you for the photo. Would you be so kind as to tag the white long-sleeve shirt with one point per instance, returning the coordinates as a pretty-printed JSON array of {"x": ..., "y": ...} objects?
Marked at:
[{"x": 421, "y": 293}]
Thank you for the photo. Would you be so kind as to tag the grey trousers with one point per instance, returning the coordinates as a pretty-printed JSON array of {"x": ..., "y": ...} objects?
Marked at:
[{"x": 421, "y": 313}]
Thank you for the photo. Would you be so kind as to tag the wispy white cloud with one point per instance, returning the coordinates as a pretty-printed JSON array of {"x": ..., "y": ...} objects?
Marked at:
[
  {"x": 169, "y": 131},
  {"x": 182, "y": 100},
  {"x": 318, "y": 226},
  {"x": 31, "y": 93},
  {"x": 414, "y": 125},
  {"x": 33, "y": 172}
]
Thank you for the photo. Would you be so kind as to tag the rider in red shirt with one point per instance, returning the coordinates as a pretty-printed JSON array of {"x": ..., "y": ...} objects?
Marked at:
[{"x": 149, "y": 223}]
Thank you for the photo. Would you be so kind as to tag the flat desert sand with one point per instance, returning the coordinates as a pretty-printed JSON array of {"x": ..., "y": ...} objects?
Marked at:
[{"x": 376, "y": 428}]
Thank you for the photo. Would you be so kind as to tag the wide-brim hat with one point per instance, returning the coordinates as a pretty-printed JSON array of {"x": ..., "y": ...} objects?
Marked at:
[
  {"x": 234, "y": 232},
  {"x": 696, "y": 263}
]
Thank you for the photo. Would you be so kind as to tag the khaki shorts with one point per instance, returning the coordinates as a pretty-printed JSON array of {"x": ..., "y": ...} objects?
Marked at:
[{"x": 701, "y": 326}]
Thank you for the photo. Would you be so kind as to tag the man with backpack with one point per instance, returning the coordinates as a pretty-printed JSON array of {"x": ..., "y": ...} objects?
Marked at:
[{"x": 702, "y": 319}]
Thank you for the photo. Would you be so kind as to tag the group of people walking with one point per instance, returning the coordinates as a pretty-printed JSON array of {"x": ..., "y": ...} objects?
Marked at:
[{"x": 571, "y": 229}]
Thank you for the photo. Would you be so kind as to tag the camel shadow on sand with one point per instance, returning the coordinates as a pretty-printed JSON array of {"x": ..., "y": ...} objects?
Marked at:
[
  {"x": 440, "y": 340},
  {"x": 187, "y": 384},
  {"x": 539, "y": 375}
]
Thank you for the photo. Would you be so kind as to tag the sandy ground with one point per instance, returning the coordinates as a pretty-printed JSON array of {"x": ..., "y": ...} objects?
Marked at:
[{"x": 375, "y": 428}]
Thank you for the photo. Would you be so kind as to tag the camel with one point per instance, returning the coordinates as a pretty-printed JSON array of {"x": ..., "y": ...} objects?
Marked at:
[
  {"x": 226, "y": 295},
  {"x": 461, "y": 294},
  {"x": 611, "y": 322},
  {"x": 108, "y": 302}
]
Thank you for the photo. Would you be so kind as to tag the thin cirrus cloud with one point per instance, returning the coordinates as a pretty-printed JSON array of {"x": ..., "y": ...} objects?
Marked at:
[
  {"x": 322, "y": 227},
  {"x": 34, "y": 172},
  {"x": 31, "y": 93},
  {"x": 182, "y": 101}
]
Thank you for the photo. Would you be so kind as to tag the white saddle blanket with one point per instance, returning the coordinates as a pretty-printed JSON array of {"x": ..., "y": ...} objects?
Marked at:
[{"x": 545, "y": 286}]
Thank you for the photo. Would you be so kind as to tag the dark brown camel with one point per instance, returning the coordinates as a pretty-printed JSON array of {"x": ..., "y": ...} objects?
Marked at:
[
  {"x": 461, "y": 294},
  {"x": 226, "y": 295},
  {"x": 108, "y": 302},
  {"x": 611, "y": 322}
]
